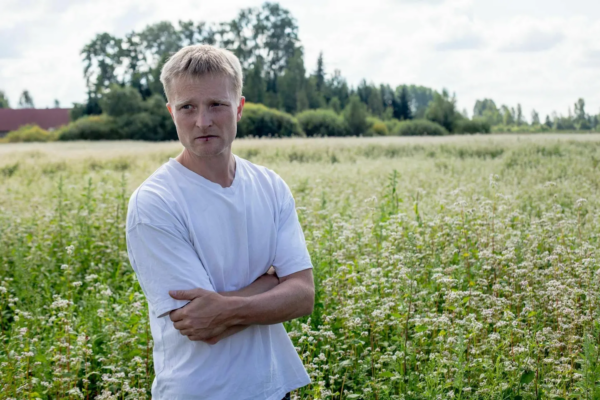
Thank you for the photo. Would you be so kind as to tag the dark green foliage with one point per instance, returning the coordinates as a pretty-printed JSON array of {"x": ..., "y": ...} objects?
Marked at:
[
  {"x": 314, "y": 96},
  {"x": 337, "y": 87},
  {"x": 260, "y": 121},
  {"x": 3, "y": 100},
  {"x": 477, "y": 125},
  {"x": 91, "y": 107},
  {"x": 120, "y": 101},
  {"x": 442, "y": 110},
  {"x": 377, "y": 127},
  {"x": 92, "y": 127},
  {"x": 487, "y": 109},
  {"x": 141, "y": 126},
  {"x": 26, "y": 101},
  {"x": 321, "y": 123},
  {"x": 126, "y": 116},
  {"x": 420, "y": 97},
  {"x": 265, "y": 39},
  {"x": 419, "y": 127},
  {"x": 355, "y": 115},
  {"x": 291, "y": 85},
  {"x": 401, "y": 105},
  {"x": 335, "y": 105},
  {"x": 255, "y": 86}
]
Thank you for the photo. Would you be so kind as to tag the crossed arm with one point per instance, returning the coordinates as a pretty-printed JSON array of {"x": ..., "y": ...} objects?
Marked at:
[{"x": 210, "y": 316}]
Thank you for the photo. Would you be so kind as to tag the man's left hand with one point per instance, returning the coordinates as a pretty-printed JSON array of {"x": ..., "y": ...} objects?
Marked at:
[{"x": 205, "y": 317}]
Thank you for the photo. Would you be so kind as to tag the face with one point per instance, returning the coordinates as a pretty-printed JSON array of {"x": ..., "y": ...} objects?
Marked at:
[{"x": 205, "y": 111}]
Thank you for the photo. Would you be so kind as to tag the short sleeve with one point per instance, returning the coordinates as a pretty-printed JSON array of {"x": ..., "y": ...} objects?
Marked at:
[
  {"x": 291, "y": 254},
  {"x": 163, "y": 260}
]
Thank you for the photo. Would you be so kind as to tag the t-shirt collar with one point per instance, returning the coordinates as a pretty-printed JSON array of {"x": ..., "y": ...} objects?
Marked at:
[{"x": 199, "y": 179}]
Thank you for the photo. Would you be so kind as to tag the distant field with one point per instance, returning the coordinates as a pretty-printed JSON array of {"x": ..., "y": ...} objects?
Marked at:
[{"x": 461, "y": 267}]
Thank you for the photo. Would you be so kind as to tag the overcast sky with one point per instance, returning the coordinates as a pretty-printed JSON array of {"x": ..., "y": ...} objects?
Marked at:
[{"x": 544, "y": 54}]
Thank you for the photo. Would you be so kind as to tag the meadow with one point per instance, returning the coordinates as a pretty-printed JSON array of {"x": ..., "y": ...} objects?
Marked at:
[{"x": 446, "y": 268}]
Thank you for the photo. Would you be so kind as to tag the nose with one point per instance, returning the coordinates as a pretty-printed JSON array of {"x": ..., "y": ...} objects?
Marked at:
[{"x": 204, "y": 119}]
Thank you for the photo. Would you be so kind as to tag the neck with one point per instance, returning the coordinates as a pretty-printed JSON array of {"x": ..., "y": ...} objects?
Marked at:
[{"x": 218, "y": 169}]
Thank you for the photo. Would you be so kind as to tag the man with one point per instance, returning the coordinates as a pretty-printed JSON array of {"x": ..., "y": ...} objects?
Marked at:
[{"x": 202, "y": 234}]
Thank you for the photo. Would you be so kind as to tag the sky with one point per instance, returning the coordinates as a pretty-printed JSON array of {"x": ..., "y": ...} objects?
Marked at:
[{"x": 543, "y": 54}]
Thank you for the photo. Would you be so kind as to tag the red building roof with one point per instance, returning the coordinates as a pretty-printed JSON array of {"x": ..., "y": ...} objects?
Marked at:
[{"x": 46, "y": 118}]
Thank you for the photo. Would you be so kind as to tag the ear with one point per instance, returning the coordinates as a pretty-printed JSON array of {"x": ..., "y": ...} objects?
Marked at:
[
  {"x": 170, "y": 111},
  {"x": 240, "y": 108}
]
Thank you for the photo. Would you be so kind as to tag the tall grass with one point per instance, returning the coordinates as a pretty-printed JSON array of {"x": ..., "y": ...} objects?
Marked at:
[{"x": 461, "y": 268}]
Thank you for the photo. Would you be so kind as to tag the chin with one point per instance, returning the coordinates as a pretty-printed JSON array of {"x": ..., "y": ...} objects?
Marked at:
[{"x": 208, "y": 151}]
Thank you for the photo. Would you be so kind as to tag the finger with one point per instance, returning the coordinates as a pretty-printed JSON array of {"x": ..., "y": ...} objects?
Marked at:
[
  {"x": 176, "y": 315},
  {"x": 186, "y": 294},
  {"x": 212, "y": 341},
  {"x": 179, "y": 325}
]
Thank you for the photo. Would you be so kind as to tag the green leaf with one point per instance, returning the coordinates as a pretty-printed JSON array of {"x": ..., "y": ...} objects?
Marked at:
[
  {"x": 531, "y": 314},
  {"x": 527, "y": 377},
  {"x": 466, "y": 299},
  {"x": 387, "y": 374},
  {"x": 421, "y": 328}
]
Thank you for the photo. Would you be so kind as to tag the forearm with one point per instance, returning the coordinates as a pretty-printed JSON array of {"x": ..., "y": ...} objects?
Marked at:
[
  {"x": 263, "y": 284},
  {"x": 290, "y": 299}
]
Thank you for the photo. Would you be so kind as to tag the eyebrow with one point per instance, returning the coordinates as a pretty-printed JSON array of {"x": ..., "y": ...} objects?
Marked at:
[{"x": 211, "y": 100}]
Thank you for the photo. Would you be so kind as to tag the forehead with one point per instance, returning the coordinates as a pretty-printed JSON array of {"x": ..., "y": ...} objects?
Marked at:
[{"x": 208, "y": 86}]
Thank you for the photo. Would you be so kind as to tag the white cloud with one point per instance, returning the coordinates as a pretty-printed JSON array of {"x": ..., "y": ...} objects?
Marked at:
[
  {"x": 529, "y": 35},
  {"x": 541, "y": 54}
]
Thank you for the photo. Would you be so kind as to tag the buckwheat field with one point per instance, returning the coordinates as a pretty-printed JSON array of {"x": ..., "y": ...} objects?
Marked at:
[{"x": 445, "y": 268}]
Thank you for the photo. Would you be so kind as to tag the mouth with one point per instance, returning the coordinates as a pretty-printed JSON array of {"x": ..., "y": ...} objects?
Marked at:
[{"x": 206, "y": 138}]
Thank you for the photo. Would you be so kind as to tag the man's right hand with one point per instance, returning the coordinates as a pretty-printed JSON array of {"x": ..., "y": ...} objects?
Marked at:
[{"x": 262, "y": 284}]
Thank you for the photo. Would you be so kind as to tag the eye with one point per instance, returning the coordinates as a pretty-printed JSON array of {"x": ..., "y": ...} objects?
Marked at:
[
  {"x": 217, "y": 104},
  {"x": 186, "y": 107}
]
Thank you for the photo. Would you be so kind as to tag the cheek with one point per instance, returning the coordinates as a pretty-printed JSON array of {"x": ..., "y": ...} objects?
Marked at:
[{"x": 183, "y": 120}]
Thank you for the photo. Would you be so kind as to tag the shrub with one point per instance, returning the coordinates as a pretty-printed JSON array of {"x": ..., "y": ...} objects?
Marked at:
[
  {"x": 377, "y": 127},
  {"x": 477, "y": 125},
  {"x": 122, "y": 101},
  {"x": 442, "y": 110},
  {"x": 419, "y": 127},
  {"x": 392, "y": 126},
  {"x": 355, "y": 115},
  {"x": 93, "y": 127},
  {"x": 321, "y": 122},
  {"x": 258, "y": 120},
  {"x": 29, "y": 133}
]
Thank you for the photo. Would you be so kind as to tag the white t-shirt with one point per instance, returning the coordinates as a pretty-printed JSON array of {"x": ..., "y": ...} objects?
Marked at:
[{"x": 183, "y": 232}]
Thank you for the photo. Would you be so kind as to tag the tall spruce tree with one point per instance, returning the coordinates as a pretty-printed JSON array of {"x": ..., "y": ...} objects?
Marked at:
[
  {"x": 401, "y": 105},
  {"x": 320, "y": 73}
]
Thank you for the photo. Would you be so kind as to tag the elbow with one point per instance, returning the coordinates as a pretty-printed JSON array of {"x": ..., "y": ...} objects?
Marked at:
[{"x": 309, "y": 304}]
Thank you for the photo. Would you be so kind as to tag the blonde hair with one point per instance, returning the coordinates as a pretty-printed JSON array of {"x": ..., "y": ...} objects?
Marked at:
[{"x": 201, "y": 59}]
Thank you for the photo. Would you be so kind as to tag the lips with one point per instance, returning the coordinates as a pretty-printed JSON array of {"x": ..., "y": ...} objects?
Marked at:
[{"x": 206, "y": 138}]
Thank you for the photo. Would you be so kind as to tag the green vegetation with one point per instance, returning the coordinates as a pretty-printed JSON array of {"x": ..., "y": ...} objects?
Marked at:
[
  {"x": 449, "y": 267},
  {"x": 419, "y": 127},
  {"x": 29, "y": 133},
  {"x": 322, "y": 123},
  {"x": 258, "y": 120}
]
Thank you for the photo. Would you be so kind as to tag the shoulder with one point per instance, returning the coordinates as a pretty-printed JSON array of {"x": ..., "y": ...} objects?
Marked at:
[
  {"x": 267, "y": 178},
  {"x": 154, "y": 201}
]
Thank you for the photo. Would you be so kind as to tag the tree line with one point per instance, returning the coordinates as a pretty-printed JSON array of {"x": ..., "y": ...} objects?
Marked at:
[{"x": 123, "y": 86}]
